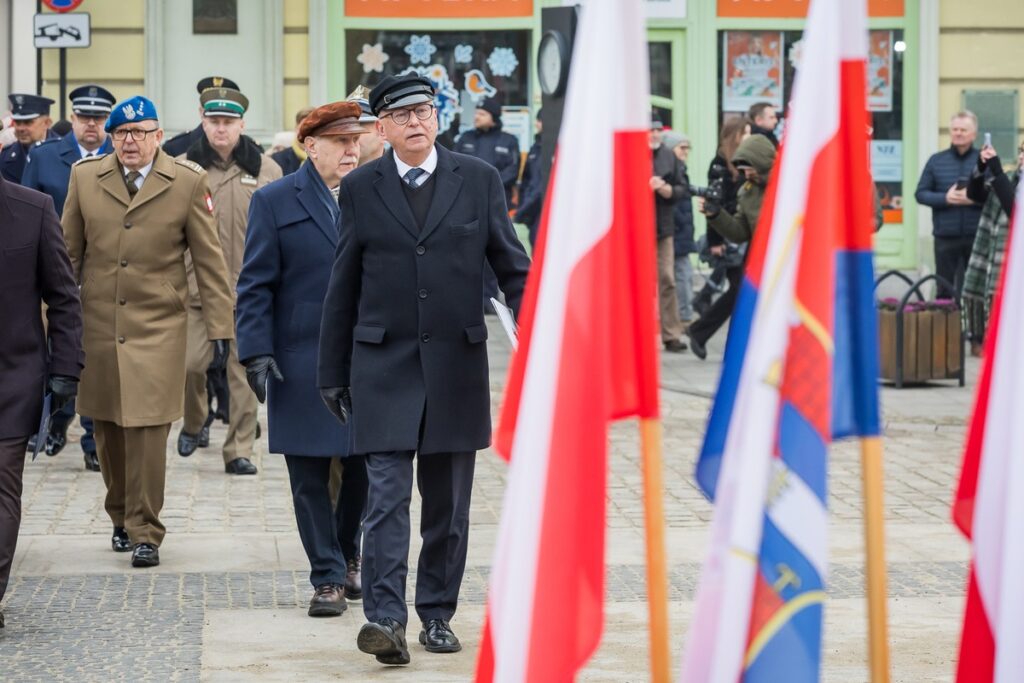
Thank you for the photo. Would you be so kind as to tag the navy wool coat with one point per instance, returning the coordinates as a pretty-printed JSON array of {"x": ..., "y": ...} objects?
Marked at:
[
  {"x": 49, "y": 168},
  {"x": 403, "y": 320},
  {"x": 289, "y": 250}
]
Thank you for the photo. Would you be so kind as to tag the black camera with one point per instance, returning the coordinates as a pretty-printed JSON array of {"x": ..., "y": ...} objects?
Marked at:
[{"x": 714, "y": 193}]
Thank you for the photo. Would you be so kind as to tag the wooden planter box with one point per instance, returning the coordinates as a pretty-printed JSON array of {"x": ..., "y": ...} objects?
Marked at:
[{"x": 931, "y": 345}]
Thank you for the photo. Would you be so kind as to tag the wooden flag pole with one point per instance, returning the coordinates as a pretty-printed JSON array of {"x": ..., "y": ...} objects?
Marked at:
[
  {"x": 657, "y": 574},
  {"x": 874, "y": 535}
]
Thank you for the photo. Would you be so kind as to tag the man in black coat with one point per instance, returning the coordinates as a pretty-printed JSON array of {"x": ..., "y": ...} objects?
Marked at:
[
  {"x": 34, "y": 269},
  {"x": 402, "y": 350}
]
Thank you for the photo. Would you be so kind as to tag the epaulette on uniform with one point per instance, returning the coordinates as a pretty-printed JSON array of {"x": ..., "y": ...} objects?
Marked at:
[
  {"x": 86, "y": 160},
  {"x": 190, "y": 164}
]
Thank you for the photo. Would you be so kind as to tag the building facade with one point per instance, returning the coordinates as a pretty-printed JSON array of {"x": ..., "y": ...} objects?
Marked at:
[{"x": 710, "y": 59}]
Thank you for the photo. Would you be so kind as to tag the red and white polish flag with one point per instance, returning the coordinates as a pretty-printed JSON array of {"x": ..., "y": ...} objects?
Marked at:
[
  {"x": 989, "y": 504},
  {"x": 587, "y": 355}
]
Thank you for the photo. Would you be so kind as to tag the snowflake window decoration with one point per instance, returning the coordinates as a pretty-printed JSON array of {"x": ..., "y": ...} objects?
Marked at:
[
  {"x": 502, "y": 61},
  {"x": 420, "y": 49},
  {"x": 373, "y": 57},
  {"x": 446, "y": 95},
  {"x": 463, "y": 54}
]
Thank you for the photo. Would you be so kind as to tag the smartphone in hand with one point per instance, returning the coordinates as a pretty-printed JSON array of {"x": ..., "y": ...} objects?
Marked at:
[
  {"x": 961, "y": 183},
  {"x": 988, "y": 140}
]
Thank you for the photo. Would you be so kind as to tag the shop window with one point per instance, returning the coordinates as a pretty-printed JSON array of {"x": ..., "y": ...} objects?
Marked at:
[
  {"x": 215, "y": 16},
  {"x": 997, "y": 114},
  {"x": 660, "y": 59},
  {"x": 465, "y": 67},
  {"x": 759, "y": 66}
]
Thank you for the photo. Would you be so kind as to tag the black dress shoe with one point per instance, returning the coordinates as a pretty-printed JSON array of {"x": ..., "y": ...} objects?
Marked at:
[
  {"x": 384, "y": 639},
  {"x": 203, "y": 440},
  {"x": 120, "y": 541},
  {"x": 240, "y": 466},
  {"x": 353, "y": 579},
  {"x": 92, "y": 461},
  {"x": 328, "y": 601},
  {"x": 437, "y": 636},
  {"x": 145, "y": 555},
  {"x": 187, "y": 443},
  {"x": 55, "y": 441},
  {"x": 697, "y": 347}
]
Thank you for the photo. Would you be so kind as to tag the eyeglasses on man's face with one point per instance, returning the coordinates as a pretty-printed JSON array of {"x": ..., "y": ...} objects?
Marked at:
[
  {"x": 403, "y": 116},
  {"x": 138, "y": 134}
]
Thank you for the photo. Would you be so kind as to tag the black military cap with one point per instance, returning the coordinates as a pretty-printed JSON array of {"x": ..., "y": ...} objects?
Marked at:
[
  {"x": 215, "y": 82},
  {"x": 92, "y": 100},
  {"x": 394, "y": 92},
  {"x": 25, "y": 107}
]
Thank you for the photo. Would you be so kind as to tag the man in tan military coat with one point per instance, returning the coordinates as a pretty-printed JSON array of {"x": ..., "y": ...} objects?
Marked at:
[
  {"x": 128, "y": 219},
  {"x": 236, "y": 167}
]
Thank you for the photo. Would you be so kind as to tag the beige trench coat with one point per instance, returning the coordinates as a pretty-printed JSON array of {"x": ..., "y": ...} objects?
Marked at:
[
  {"x": 128, "y": 254},
  {"x": 232, "y": 189}
]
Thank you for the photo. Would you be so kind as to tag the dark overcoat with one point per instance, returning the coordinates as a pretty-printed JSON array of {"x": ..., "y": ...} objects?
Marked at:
[
  {"x": 34, "y": 268},
  {"x": 403, "y": 322},
  {"x": 49, "y": 168},
  {"x": 289, "y": 251}
]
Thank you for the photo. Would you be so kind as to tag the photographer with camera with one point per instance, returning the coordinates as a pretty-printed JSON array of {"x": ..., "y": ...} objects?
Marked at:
[
  {"x": 725, "y": 259},
  {"x": 754, "y": 159}
]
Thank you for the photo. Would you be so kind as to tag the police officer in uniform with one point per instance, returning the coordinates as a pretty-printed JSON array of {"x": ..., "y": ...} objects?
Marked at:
[
  {"x": 181, "y": 142},
  {"x": 402, "y": 350},
  {"x": 128, "y": 220},
  {"x": 236, "y": 167},
  {"x": 31, "y": 116},
  {"x": 49, "y": 171}
]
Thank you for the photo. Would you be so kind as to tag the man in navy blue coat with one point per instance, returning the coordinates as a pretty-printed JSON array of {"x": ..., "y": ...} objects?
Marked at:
[
  {"x": 402, "y": 348},
  {"x": 289, "y": 249},
  {"x": 31, "y": 116},
  {"x": 49, "y": 170}
]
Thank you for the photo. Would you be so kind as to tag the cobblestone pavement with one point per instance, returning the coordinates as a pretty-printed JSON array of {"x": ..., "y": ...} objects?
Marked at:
[{"x": 228, "y": 601}]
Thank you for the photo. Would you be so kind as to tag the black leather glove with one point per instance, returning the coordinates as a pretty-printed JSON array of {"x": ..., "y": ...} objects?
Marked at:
[
  {"x": 62, "y": 389},
  {"x": 220, "y": 354},
  {"x": 339, "y": 401},
  {"x": 257, "y": 371}
]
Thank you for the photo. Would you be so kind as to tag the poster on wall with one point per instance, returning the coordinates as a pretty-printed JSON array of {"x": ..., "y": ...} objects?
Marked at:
[
  {"x": 887, "y": 172},
  {"x": 880, "y": 71},
  {"x": 752, "y": 69}
]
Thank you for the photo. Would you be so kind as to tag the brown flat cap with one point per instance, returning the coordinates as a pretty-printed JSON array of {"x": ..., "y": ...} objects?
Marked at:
[{"x": 336, "y": 118}]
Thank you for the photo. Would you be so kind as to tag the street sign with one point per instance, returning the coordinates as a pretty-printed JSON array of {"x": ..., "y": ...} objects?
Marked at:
[
  {"x": 61, "y": 30},
  {"x": 62, "y": 5}
]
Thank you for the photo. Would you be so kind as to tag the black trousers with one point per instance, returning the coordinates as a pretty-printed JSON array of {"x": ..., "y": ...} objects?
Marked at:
[
  {"x": 314, "y": 515},
  {"x": 951, "y": 257},
  {"x": 703, "y": 329},
  {"x": 12, "y": 467},
  {"x": 348, "y": 514},
  {"x": 445, "y": 483}
]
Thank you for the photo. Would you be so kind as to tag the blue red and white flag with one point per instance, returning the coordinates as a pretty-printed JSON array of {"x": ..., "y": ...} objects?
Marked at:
[
  {"x": 801, "y": 367},
  {"x": 587, "y": 355},
  {"x": 989, "y": 504}
]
